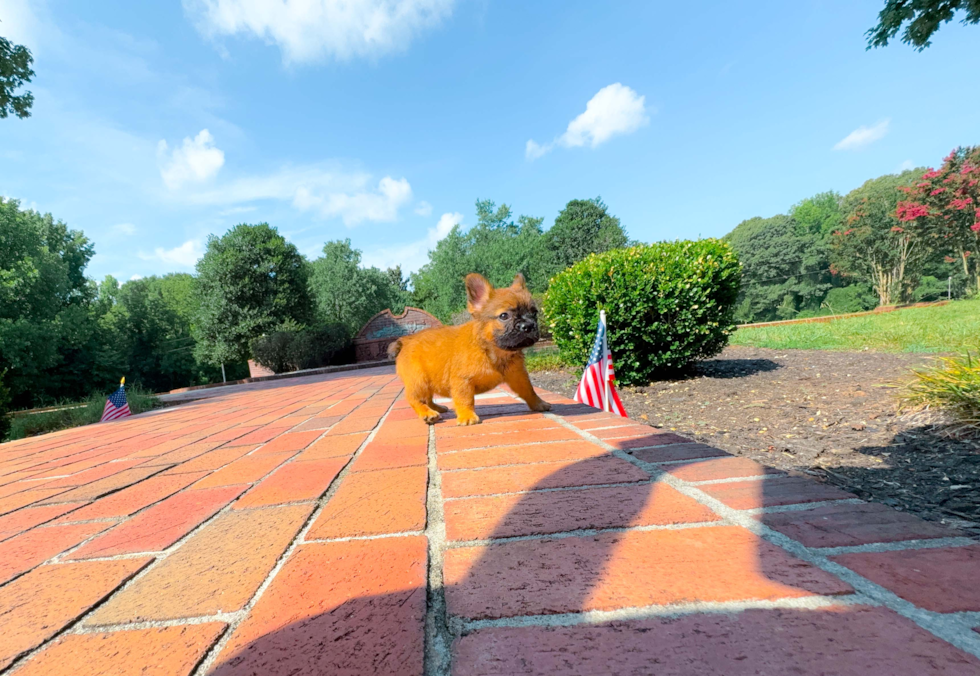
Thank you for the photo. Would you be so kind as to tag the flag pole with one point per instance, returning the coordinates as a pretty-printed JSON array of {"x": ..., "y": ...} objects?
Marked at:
[{"x": 606, "y": 400}]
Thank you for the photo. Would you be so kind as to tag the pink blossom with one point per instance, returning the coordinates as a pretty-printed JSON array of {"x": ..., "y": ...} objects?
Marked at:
[
  {"x": 975, "y": 227},
  {"x": 897, "y": 229},
  {"x": 932, "y": 173},
  {"x": 909, "y": 211},
  {"x": 937, "y": 191}
]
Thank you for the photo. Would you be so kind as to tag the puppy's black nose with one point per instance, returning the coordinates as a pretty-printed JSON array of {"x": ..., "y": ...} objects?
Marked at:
[{"x": 526, "y": 326}]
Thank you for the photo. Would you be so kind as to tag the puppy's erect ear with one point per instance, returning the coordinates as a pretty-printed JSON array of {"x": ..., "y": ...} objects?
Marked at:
[
  {"x": 518, "y": 283},
  {"x": 478, "y": 291}
]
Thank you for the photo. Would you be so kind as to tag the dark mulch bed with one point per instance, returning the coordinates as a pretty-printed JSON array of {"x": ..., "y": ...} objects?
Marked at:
[{"x": 830, "y": 414}]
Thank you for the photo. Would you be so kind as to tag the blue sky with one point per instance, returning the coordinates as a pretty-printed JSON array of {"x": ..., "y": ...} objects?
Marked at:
[{"x": 156, "y": 124}]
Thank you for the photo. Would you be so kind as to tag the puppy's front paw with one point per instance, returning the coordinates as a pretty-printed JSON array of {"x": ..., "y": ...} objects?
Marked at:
[
  {"x": 468, "y": 419},
  {"x": 431, "y": 418},
  {"x": 540, "y": 406}
]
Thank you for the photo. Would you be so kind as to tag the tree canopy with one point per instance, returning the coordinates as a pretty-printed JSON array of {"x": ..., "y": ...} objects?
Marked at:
[
  {"x": 250, "y": 281},
  {"x": 15, "y": 71},
  {"x": 920, "y": 18},
  {"x": 348, "y": 294}
]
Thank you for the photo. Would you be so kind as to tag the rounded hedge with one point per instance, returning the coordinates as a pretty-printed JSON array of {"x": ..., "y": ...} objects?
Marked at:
[{"x": 667, "y": 305}]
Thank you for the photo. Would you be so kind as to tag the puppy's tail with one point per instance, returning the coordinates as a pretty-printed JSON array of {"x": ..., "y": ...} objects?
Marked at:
[{"x": 395, "y": 348}]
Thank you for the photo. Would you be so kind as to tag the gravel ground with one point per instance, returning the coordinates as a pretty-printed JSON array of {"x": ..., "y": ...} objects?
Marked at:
[{"x": 830, "y": 414}]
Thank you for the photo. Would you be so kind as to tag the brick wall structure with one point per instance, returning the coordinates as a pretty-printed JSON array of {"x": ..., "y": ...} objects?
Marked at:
[{"x": 372, "y": 341}]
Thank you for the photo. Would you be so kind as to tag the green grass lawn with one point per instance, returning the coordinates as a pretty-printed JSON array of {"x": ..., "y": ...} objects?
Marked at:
[
  {"x": 78, "y": 413},
  {"x": 948, "y": 328}
]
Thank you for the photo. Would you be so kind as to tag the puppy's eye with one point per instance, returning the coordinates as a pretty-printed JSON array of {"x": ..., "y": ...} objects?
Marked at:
[{"x": 503, "y": 316}]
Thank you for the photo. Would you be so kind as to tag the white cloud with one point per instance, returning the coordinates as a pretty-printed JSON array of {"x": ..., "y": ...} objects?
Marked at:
[
  {"x": 185, "y": 255},
  {"x": 236, "y": 210},
  {"x": 613, "y": 111},
  {"x": 124, "y": 228},
  {"x": 135, "y": 277},
  {"x": 308, "y": 31},
  {"x": 423, "y": 208},
  {"x": 905, "y": 166},
  {"x": 19, "y": 24},
  {"x": 863, "y": 136},
  {"x": 196, "y": 161},
  {"x": 379, "y": 205},
  {"x": 415, "y": 254}
]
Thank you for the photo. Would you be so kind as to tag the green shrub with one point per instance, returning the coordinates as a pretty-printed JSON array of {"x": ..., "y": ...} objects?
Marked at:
[
  {"x": 4, "y": 408},
  {"x": 284, "y": 351},
  {"x": 667, "y": 305},
  {"x": 853, "y": 298}
]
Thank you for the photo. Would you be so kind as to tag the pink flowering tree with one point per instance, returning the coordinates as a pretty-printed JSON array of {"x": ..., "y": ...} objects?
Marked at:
[
  {"x": 874, "y": 246},
  {"x": 947, "y": 201}
]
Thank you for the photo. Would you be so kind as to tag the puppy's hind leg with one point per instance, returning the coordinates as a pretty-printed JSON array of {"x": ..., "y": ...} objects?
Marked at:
[
  {"x": 420, "y": 399},
  {"x": 433, "y": 405}
]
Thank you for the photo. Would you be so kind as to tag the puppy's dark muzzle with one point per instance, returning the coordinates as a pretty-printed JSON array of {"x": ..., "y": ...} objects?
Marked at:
[{"x": 522, "y": 334}]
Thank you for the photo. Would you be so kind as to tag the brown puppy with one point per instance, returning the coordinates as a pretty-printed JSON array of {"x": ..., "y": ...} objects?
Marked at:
[{"x": 463, "y": 361}]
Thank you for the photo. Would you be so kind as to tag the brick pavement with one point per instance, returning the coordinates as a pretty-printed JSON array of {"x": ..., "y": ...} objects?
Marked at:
[{"x": 315, "y": 526}]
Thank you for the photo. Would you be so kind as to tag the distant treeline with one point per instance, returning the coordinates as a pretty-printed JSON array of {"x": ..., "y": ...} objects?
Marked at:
[
  {"x": 63, "y": 336},
  {"x": 899, "y": 238}
]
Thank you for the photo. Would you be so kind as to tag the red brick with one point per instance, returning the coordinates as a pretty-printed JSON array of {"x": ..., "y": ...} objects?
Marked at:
[
  {"x": 505, "y": 439},
  {"x": 217, "y": 569},
  {"x": 101, "y": 487},
  {"x": 446, "y": 431},
  {"x": 619, "y": 570},
  {"x": 771, "y": 492},
  {"x": 132, "y": 499},
  {"x": 374, "y": 503},
  {"x": 332, "y": 447},
  {"x": 165, "y": 651},
  {"x": 366, "y": 616},
  {"x": 27, "y": 550},
  {"x": 623, "y": 432},
  {"x": 649, "y": 441},
  {"x": 516, "y": 455},
  {"x": 556, "y": 511},
  {"x": 261, "y": 435},
  {"x": 851, "y": 525},
  {"x": 161, "y": 525},
  {"x": 672, "y": 452},
  {"x": 25, "y": 519},
  {"x": 211, "y": 460},
  {"x": 356, "y": 423},
  {"x": 245, "y": 470},
  {"x": 318, "y": 424},
  {"x": 294, "y": 441},
  {"x": 38, "y": 605},
  {"x": 602, "y": 470},
  {"x": 25, "y": 498},
  {"x": 387, "y": 456},
  {"x": 722, "y": 468},
  {"x": 943, "y": 580},
  {"x": 183, "y": 454},
  {"x": 106, "y": 469},
  {"x": 848, "y": 640},
  {"x": 293, "y": 482}
]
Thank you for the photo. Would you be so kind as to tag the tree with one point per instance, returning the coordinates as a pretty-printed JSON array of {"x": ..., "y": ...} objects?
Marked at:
[
  {"x": 49, "y": 331},
  {"x": 348, "y": 294},
  {"x": 496, "y": 247},
  {"x": 784, "y": 267},
  {"x": 874, "y": 246},
  {"x": 15, "y": 71},
  {"x": 250, "y": 281},
  {"x": 946, "y": 202},
  {"x": 923, "y": 18},
  {"x": 583, "y": 227}
]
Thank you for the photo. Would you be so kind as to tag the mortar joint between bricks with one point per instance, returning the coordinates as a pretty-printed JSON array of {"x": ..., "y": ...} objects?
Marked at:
[{"x": 438, "y": 634}]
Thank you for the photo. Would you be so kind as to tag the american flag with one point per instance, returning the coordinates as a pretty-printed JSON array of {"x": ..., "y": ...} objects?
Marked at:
[
  {"x": 596, "y": 388},
  {"x": 116, "y": 405}
]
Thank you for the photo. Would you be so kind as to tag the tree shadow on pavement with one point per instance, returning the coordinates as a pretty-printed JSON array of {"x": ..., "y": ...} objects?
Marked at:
[{"x": 358, "y": 607}]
